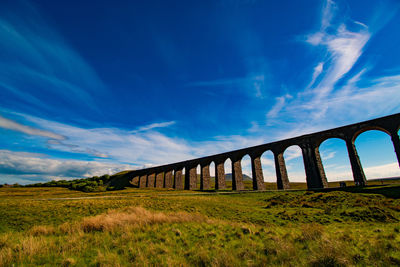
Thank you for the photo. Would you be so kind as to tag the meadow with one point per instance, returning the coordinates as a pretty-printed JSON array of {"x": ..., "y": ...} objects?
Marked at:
[{"x": 159, "y": 227}]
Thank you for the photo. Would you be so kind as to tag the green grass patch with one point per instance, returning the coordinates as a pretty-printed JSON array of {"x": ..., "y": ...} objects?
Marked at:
[{"x": 57, "y": 226}]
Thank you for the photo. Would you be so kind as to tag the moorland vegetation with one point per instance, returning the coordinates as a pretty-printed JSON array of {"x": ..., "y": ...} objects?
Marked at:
[{"x": 54, "y": 226}]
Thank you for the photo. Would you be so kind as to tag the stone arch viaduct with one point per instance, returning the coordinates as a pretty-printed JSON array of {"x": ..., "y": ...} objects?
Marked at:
[{"x": 171, "y": 175}]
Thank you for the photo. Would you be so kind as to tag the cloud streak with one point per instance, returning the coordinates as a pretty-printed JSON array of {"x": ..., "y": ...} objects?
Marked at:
[
  {"x": 154, "y": 126},
  {"x": 253, "y": 84},
  {"x": 37, "y": 61},
  {"x": 15, "y": 126}
]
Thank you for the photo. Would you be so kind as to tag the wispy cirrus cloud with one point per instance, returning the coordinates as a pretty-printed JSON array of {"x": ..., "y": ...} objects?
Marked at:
[
  {"x": 154, "y": 126},
  {"x": 15, "y": 126},
  {"x": 333, "y": 97},
  {"x": 253, "y": 84},
  {"x": 344, "y": 48},
  {"x": 37, "y": 61}
]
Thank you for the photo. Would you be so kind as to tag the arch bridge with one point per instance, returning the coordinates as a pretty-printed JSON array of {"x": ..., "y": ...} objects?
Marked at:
[{"x": 171, "y": 175}]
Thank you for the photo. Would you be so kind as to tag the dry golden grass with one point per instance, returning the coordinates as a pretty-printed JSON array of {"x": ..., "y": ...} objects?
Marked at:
[
  {"x": 311, "y": 231},
  {"x": 38, "y": 230},
  {"x": 257, "y": 229},
  {"x": 136, "y": 216}
]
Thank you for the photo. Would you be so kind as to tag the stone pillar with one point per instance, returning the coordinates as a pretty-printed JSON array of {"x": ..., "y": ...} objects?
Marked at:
[
  {"x": 191, "y": 178},
  {"x": 142, "y": 181},
  {"x": 396, "y": 145},
  {"x": 358, "y": 172},
  {"x": 220, "y": 176},
  {"x": 159, "y": 180},
  {"x": 258, "y": 177},
  {"x": 205, "y": 177},
  {"x": 237, "y": 177},
  {"x": 315, "y": 173},
  {"x": 178, "y": 182},
  {"x": 168, "y": 179},
  {"x": 282, "y": 179},
  {"x": 151, "y": 178}
]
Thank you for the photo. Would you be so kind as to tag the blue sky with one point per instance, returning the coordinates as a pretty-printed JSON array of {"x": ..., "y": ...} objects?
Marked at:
[{"x": 98, "y": 87}]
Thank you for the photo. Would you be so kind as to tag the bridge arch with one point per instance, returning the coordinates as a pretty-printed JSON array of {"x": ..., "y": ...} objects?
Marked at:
[
  {"x": 335, "y": 160},
  {"x": 269, "y": 170},
  {"x": 246, "y": 166},
  {"x": 228, "y": 172},
  {"x": 213, "y": 171},
  {"x": 369, "y": 128},
  {"x": 325, "y": 137},
  {"x": 375, "y": 149},
  {"x": 295, "y": 166},
  {"x": 309, "y": 144}
]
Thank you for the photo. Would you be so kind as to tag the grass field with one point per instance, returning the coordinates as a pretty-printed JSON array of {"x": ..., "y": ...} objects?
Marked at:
[{"x": 61, "y": 227}]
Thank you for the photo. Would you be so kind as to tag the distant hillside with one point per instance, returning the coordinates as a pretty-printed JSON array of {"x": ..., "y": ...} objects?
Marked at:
[{"x": 228, "y": 177}]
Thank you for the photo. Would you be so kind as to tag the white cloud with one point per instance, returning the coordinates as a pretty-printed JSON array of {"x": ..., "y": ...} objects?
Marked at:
[
  {"x": 279, "y": 105},
  {"x": 327, "y": 14},
  {"x": 328, "y": 155},
  {"x": 345, "y": 48},
  {"x": 292, "y": 152},
  {"x": 31, "y": 167},
  {"x": 154, "y": 125},
  {"x": 15, "y": 126},
  {"x": 146, "y": 146},
  {"x": 317, "y": 71},
  {"x": 387, "y": 170},
  {"x": 372, "y": 172},
  {"x": 323, "y": 104}
]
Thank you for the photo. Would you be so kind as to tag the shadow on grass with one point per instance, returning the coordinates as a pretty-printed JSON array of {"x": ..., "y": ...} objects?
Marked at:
[{"x": 392, "y": 191}]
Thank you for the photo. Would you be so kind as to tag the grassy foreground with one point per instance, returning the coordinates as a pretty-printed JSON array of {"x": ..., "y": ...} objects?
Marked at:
[{"x": 60, "y": 227}]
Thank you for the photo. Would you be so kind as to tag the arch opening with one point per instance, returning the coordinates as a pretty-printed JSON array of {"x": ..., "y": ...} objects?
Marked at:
[
  {"x": 228, "y": 173},
  {"x": 247, "y": 172},
  {"x": 269, "y": 172},
  {"x": 212, "y": 175},
  {"x": 295, "y": 167},
  {"x": 369, "y": 128},
  {"x": 377, "y": 156},
  {"x": 184, "y": 178},
  {"x": 198, "y": 173},
  {"x": 336, "y": 162}
]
